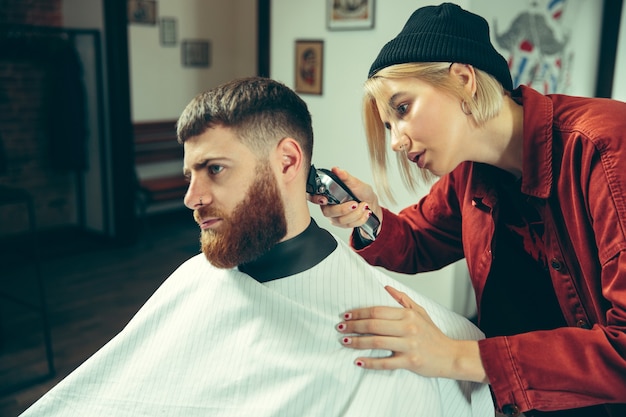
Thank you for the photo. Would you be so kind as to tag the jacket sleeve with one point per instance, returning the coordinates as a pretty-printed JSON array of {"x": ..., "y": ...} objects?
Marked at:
[{"x": 423, "y": 237}]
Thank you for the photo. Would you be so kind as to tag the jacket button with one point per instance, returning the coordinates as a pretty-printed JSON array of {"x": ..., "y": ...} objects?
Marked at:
[
  {"x": 511, "y": 410},
  {"x": 556, "y": 264},
  {"x": 583, "y": 324}
]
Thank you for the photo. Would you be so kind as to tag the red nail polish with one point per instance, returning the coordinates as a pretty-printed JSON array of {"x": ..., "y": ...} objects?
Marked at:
[
  {"x": 359, "y": 364},
  {"x": 346, "y": 340},
  {"x": 354, "y": 206},
  {"x": 341, "y": 327},
  {"x": 347, "y": 316}
]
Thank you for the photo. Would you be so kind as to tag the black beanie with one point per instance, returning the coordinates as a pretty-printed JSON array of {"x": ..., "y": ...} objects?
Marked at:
[{"x": 445, "y": 33}]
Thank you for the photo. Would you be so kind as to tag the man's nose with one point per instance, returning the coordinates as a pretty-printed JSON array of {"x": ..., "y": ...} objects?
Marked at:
[{"x": 195, "y": 196}]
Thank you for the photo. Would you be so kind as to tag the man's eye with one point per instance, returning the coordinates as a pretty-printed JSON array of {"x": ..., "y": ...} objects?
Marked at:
[{"x": 215, "y": 169}]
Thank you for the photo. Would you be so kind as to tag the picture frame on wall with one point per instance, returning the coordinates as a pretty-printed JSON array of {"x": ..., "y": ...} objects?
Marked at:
[
  {"x": 196, "y": 53},
  {"x": 349, "y": 14},
  {"x": 309, "y": 60},
  {"x": 168, "y": 31},
  {"x": 142, "y": 11}
]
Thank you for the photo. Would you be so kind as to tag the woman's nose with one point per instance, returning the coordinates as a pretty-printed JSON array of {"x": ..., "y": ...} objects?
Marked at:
[{"x": 399, "y": 142}]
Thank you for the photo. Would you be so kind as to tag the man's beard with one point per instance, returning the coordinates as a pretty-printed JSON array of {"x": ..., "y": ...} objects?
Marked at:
[{"x": 252, "y": 229}]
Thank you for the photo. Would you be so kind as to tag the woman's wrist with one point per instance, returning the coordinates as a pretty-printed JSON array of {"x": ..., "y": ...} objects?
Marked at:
[
  {"x": 362, "y": 239},
  {"x": 467, "y": 365}
]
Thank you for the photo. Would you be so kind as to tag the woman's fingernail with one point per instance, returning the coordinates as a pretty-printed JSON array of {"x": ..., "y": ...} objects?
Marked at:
[
  {"x": 354, "y": 206},
  {"x": 346, "y": 340},
  {"x": 347, "y": 316},
  {"x": 366, "y": 207},
  {"x": 341, "y": 327},
  {"x": 359, "y": 363}
]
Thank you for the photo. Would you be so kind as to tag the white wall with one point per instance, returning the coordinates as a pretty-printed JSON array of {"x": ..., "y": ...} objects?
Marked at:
[
  {"x": 160, "y": 86},
  {"x": 339, "y": 134}
]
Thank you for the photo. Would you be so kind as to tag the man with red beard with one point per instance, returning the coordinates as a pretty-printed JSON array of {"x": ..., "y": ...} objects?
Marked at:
[{"x": 246, "y": 327}]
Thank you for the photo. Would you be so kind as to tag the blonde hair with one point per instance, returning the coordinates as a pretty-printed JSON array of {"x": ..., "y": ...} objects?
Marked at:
[{"x": 484, "y": 105}]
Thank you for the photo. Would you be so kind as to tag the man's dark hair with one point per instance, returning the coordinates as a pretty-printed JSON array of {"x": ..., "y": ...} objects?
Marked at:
[{"x": 260, "y": 110}]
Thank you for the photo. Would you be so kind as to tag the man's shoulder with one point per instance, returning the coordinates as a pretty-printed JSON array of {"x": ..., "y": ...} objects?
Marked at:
[
  {"x": 366, "y": 276},
  {"x": 193, "y": 269},
  {"x": 196, "y": 262}
]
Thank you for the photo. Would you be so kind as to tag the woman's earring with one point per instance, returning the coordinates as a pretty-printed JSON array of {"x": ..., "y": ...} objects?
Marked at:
[{"x": 464, "y": 109}]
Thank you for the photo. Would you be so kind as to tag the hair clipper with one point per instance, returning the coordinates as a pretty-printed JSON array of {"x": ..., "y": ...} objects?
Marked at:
[{"x": 325, "y": 183}]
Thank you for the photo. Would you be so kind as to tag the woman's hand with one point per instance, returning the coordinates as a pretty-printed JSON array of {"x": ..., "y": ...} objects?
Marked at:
[
  {"x": 350, "y": 214},
  {"x": 415, "y": 341}
]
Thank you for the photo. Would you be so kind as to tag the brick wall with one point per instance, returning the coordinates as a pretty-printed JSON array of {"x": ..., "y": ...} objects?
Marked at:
[
  {"x": 32, "y": 12},
  {"x": 23, "y": 139}
]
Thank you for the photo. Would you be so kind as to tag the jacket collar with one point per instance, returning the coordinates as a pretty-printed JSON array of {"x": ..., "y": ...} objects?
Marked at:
[{"x": 537, "y": 173}]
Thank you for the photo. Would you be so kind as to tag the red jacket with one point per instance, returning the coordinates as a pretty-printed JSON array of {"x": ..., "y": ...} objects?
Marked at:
[{"x": 574, "y": 174}]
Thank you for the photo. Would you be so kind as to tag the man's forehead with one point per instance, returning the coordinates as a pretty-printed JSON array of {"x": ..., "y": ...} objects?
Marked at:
[
  {"x": 216, "y": 146},
  {"x": 216, "y": 141}
]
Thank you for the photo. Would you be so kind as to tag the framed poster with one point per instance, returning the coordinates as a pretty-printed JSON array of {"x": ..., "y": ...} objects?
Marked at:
[
  {"x": 168, "y": 31},
  {"x": 309, "y": 66},
  {"x": 142, "y": 11},
  {"x": 349, "y": 14},
  {"x": 196, "y": 53}
]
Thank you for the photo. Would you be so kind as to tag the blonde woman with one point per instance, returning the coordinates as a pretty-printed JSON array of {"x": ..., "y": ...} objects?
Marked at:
[{"x": 531, "y": 191}]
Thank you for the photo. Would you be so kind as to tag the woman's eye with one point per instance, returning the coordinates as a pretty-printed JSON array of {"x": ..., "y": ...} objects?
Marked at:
[
  {"x": 387, "y": 125},
  {"x": 402, "y": 109},
  {"x": 215, "y": 169}
]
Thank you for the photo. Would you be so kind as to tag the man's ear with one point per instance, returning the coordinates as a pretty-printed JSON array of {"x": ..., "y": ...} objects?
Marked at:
[
  {"x": 466, "y": 75},
  {"x": 289, "y": 154}
]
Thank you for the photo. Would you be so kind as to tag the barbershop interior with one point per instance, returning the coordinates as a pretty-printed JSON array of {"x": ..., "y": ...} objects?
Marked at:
[{"x": 92, "y": 219}]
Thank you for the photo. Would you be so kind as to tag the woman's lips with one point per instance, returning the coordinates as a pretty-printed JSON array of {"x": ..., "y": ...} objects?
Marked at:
[{"x": 418, "y": 158}]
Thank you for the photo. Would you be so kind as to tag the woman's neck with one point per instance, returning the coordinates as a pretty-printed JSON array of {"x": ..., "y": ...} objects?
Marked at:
[{"x": 506, "y": 132}]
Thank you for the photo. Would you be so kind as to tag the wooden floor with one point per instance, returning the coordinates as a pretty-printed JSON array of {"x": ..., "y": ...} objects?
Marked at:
[{"x": 92, "y": 290}]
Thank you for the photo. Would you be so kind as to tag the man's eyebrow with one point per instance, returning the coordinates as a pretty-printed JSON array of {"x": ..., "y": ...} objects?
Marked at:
[
  {"x": 196, "y": 167},
  {"x": 200, "y": 165}
]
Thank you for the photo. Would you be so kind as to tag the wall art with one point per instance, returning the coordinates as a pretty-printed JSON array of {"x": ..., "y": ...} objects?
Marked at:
[
  {"x": 309, "y": 66},
  {"x": 349, "y": 14}
]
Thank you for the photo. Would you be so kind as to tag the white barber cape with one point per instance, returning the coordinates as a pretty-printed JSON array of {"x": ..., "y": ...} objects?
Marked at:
[{"x": 213, "y": 342}]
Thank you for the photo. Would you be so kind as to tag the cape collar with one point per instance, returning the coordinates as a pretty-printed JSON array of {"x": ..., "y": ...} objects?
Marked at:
[{"x": 292, "y": 256}]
